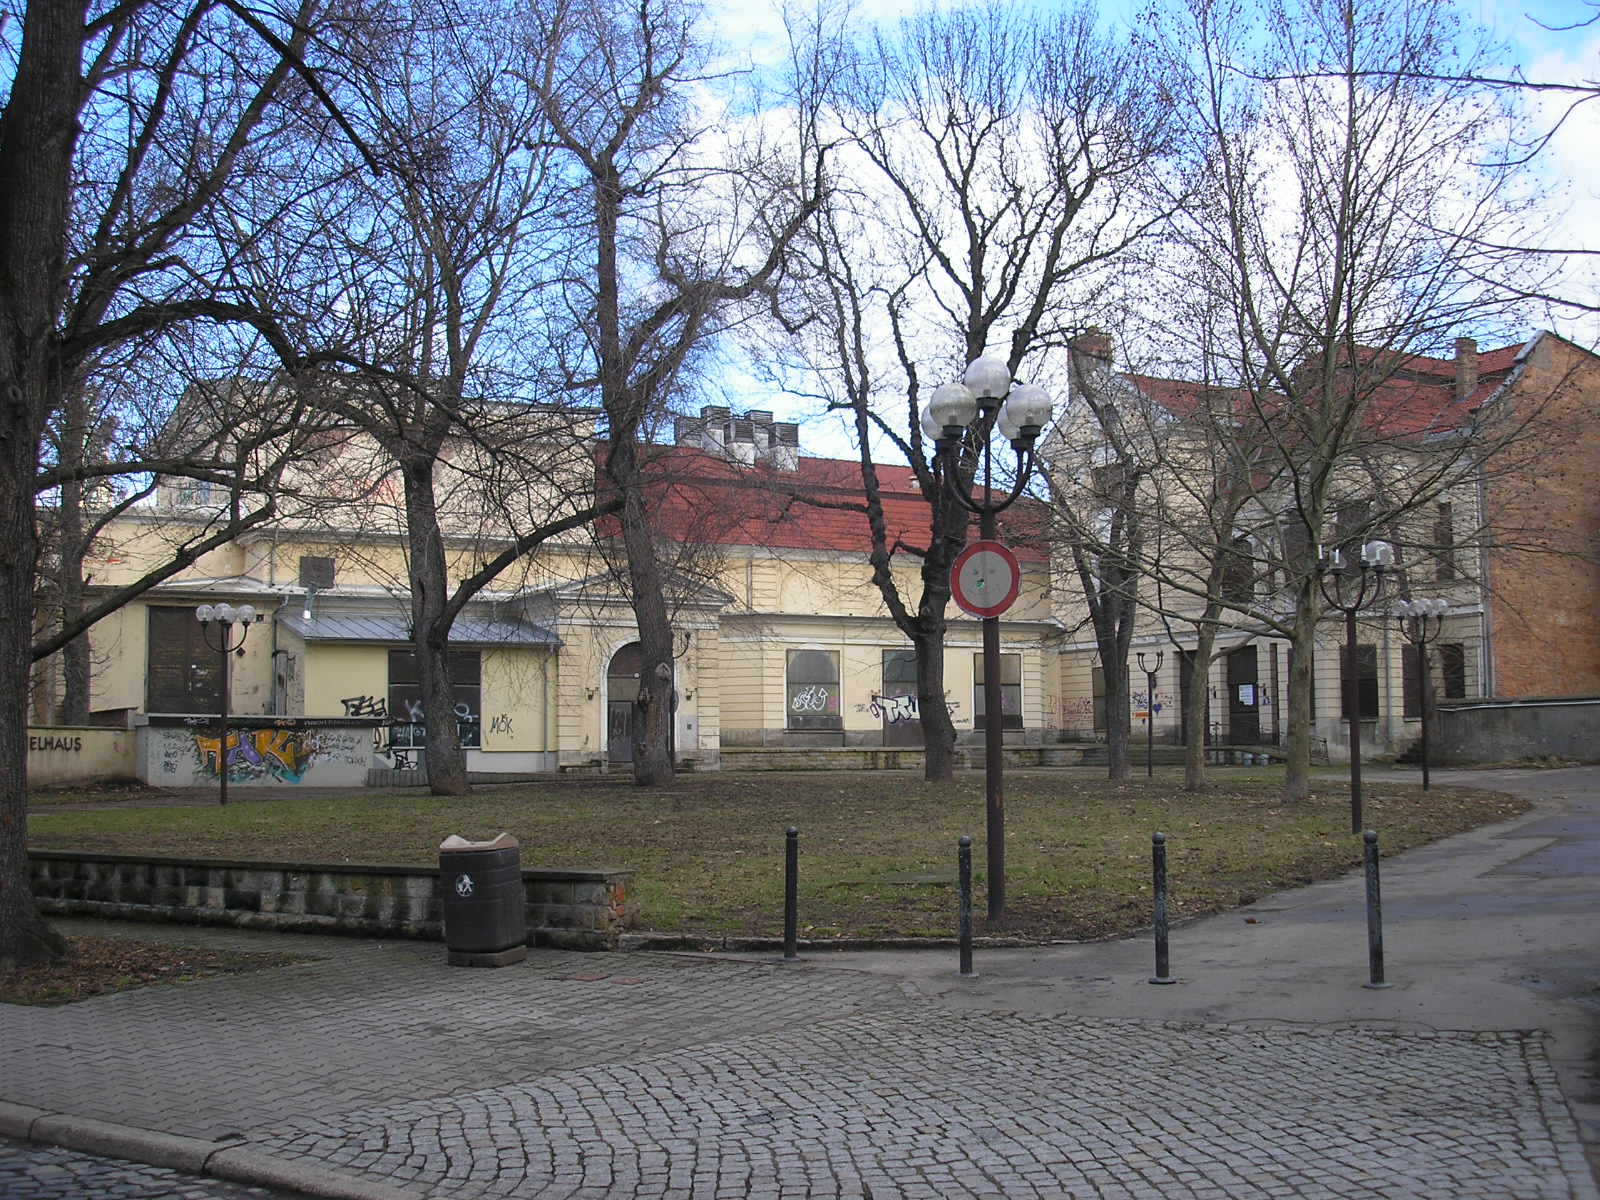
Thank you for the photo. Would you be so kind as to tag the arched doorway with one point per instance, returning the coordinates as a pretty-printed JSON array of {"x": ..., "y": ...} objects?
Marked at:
[{"x": 622, "y": 689}]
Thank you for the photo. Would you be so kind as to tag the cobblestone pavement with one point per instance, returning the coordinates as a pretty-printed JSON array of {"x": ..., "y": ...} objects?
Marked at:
[
  {"x": 30, "y": 1172},
  {"x": 378, "y": 1022},
  {"x": 933, "y": 1103},
  {"x": 655, "y": 1075}
]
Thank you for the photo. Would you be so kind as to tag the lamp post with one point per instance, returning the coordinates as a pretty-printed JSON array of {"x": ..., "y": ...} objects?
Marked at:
[
  {"x": 1414, "y": 617},
  {"x": 223, "y": 617},
  {"x": 984, "y": 398},
  {"x": 1351, "y": 592},
  {"x": 1150, "y": 711}
]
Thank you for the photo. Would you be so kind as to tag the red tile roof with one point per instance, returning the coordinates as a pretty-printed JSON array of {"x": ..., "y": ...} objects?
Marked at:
[
  {"x": 700, "y": 496},
  {"x": 1415, "y": 395}
]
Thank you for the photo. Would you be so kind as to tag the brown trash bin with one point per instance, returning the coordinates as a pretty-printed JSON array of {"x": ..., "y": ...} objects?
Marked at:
[{"x": 485, "y": 920}]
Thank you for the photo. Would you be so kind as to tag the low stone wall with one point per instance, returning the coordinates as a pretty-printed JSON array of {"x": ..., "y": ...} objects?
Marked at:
[
  {"x": 1483, "y": 731},
  {"x": 579, "y": 910},
  {"x": 884, "y": 758}
]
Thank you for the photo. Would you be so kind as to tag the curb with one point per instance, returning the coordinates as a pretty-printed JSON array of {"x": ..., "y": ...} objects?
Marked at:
[
  {"x": 711, "y": 944},
  {"x": 195, "y": 1156}
]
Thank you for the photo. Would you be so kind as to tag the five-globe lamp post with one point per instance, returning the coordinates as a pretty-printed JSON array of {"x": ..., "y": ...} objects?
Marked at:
[
  {"x": 1421, "y": 622},
  {"x": 1351, "y": 591},
  {"x": 958, "y": 416},
  {"x": 223, "y": 617}
]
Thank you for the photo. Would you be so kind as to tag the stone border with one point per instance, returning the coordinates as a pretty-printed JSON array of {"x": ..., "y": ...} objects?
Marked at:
[{"x": 566, "y": 909}]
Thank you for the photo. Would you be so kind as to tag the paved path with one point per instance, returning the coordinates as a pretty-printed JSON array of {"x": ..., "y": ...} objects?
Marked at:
[{"x": 379, "y": 1070}]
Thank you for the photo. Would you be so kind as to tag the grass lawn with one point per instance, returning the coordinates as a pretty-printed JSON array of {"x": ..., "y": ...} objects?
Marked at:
[{"x": 877, "y": 849}]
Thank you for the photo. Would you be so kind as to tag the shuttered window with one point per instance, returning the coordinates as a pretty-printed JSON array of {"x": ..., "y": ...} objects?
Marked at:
[{"x": 185, "y": 675}]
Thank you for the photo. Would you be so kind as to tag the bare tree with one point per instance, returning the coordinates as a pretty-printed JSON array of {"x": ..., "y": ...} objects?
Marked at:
[
  {"x": 420, "y": 289},
  {"x": 676, "y": 224},
  {"x": 997, "y": 166},
  {"x": 121, "y": 127},
  {"x": 1346, "y": 185}
]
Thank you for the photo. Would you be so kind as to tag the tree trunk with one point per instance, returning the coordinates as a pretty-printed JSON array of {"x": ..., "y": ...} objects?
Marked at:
[
  {"x": 25, "y": 938},
  {"x": 1297, "y": 779},
  {"x": 933, "y": 711},
  {"x": 653, "y": 707},
  {"x": 37, "y": 137},
  {"x": 1197, "y": 709},
  {"x": 1119, "y": 718},
  {"x": 430, "y": 631}
]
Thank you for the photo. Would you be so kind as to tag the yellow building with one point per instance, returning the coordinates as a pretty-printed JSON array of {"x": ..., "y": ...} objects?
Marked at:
[{"x": 782, "y": 639}]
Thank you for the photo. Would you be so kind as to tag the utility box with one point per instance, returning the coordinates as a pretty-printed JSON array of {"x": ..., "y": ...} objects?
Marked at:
[{"x": 485, "y": 921}]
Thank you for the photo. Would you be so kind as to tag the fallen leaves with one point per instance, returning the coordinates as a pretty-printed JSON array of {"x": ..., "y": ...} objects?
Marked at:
[{"x": 98, "y": 966}]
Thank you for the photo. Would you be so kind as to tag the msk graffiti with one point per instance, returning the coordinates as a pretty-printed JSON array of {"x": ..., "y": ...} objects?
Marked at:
[{"x": 283, "y": 754}]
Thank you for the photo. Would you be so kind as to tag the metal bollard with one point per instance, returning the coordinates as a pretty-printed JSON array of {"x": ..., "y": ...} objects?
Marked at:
[
  {"x": 1374, "y": 915},
  {"x": 1158, "y": 865},
  {"x": 964, "y": 858},
  {"x": 791, "y": 895}
]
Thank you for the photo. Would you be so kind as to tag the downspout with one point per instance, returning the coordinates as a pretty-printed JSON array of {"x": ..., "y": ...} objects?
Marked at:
[
  {"x": 277, "y": 694},
  {"x": 1486, "y": 685},
  {"x": 551, "y": 754}
]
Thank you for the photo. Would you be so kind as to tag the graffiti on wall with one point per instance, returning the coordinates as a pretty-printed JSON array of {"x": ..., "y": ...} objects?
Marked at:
[
  {"x": 900, "y": 710},
  {"x": 1141, "y": 702},
  {"x": 365, "y": 706},
  {"x": 283, "y": 755}
]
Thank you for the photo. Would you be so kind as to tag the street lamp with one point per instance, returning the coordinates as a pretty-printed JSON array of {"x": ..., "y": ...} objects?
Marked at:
[
  {"x": 1413, "y": 617},
  {"x": 223, "y": 617},
  {"x": 1150, "y": 711},
  {"x": 984, "y": 579},
  {"x": 1351, "y": 592}
]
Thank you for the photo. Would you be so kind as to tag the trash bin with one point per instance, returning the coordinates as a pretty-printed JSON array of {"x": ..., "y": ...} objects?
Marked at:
[{"x": 485, "y": 923}]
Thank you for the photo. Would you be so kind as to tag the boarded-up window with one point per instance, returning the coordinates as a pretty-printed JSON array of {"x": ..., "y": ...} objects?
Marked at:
[
  {"x": 1097, "y": 681},
  {"x": 1444, "y": 538},
  {"x": 813, "y": 690},
  {"x": 1411, "y": 679},
  {"x": 1238, "y": 573},
  {"x": 405, "y": 697},
  {"x": 316, "y": 571},
  {"x": 185, "y": 675},
  {"x": 1010, "y": 692},
  {"x": 1366, "y": 682},
  {"x": 1453, "y": 670}
]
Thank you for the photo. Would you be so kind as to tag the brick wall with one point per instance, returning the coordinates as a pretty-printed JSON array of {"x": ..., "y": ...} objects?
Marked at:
[{"x": 1544, "y": 577}]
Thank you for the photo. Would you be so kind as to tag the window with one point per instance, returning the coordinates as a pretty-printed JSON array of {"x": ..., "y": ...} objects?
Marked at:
[
  {"x": 1453, "y": 670},
  {"x": 1010, "y": 692},
  {"x": 1366, "y": 682},
  {"x": 1097, "y": 684},
  {"x": 316, "y": 571},
  {"x": 1238, "y": 573},
  {"x": 185, "y": 674},
  {"x": 1444, "y": 537},
  {"x": 813, "y": 690},
  {"x": 900, "y": 677},
  {"x": 1351, "y": 527},
  {"x": 405, "y": 697},
  {"x": 1108, "y": 482}
]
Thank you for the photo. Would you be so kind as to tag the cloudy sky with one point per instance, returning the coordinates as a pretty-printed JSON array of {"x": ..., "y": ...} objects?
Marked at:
[{"x": 1546, "y": 40}]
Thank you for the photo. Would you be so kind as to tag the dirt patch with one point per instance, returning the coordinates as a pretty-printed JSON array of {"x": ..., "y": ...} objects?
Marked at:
[{"x": 98, "y": 966}]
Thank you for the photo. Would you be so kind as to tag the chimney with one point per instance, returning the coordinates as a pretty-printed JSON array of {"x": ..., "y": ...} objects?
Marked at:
[
  {"x": 1466, "y": 367},
  {"x": 1094, "y": 343}
]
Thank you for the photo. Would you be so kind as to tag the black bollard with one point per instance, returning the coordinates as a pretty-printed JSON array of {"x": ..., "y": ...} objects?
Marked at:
[
  {"x": 1374, "y": 915},
  {"x": 1158, "y": 864},
  {"x": 791, "y": 896},
  {"x": 964, "y": 858}
]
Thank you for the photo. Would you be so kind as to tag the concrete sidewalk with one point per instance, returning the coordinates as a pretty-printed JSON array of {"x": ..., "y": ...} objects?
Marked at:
[{"x": 1269, "y": 1071}]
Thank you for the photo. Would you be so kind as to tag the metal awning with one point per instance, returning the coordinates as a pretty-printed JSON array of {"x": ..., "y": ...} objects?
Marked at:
[{"x": 395, "y": 630}]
